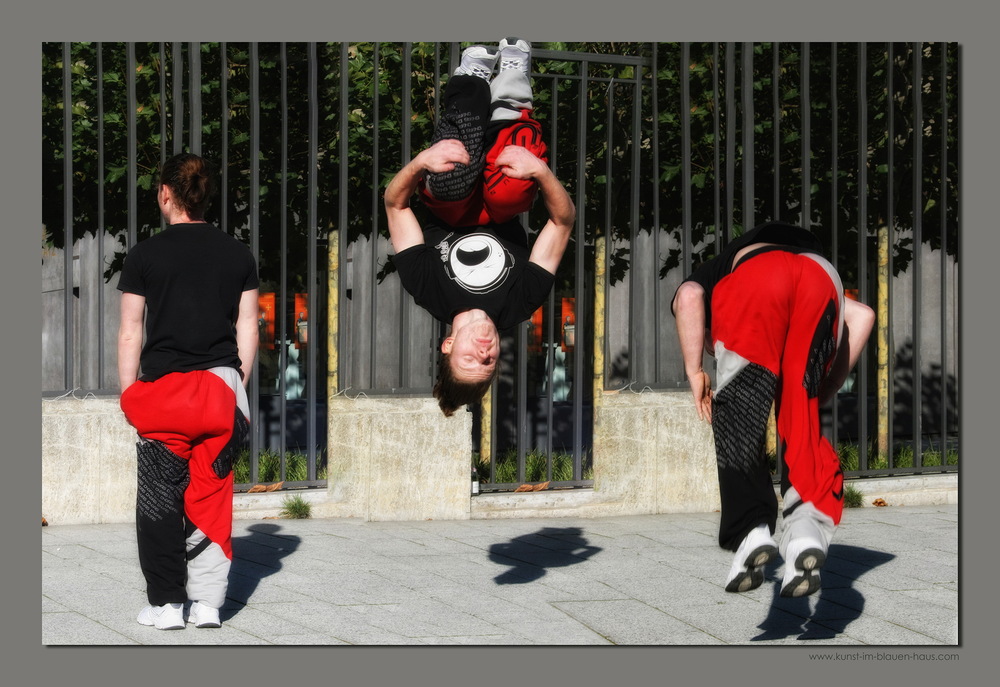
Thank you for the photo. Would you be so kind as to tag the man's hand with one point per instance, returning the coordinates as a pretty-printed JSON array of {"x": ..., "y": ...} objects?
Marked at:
[
  {"x": 518, "y": 162},
  {"x": 701, "y": 389},
  {"x": 443, "y": 156},
  {"x": 404, "y": 229}
]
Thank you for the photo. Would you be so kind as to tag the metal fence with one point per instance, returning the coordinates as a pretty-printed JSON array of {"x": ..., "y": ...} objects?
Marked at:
[{"x": 669, "y": 151}]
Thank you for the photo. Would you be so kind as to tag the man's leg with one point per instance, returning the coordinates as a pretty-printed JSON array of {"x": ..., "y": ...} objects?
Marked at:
[
  {"x": 199, "y": 420},
  {"x": 464, "y": 116},
  {"x": 504, "y": 197},
  {"x": 163, "y": 476},
  {"x": 511, "y": 124},
  {"x": 812, "y": 479},
  {"x": 209, "y": 497},
  {"x": 748, "y": 324},
  {"x": 510, "y": 90},
  {"x": 749, "y": 320}
]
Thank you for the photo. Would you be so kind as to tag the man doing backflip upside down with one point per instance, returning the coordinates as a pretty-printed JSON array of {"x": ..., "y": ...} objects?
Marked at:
[{"x": 469, "y": 263}]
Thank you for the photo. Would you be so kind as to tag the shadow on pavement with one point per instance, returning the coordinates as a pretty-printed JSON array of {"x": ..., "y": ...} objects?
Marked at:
[
  {"x": 255, "y": 556},
  {"x": 837, "y": 602},
  {"x": 531, "y": 555}
]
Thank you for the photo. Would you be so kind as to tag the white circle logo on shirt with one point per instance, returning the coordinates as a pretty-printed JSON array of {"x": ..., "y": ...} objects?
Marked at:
[{"x": 478, "y": 262}]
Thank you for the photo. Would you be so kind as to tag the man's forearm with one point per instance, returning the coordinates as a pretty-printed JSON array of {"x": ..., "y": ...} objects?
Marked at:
[
  {"x": 557, "y": 201},
  {"x": 403, "y": 185},
  {"x": 858, "y": 322},
  {"x": 247, "y": 334},
  {"x": 246, "y": 347},
  {"x": 550, "y": 245},
  {"x": 130, "y": 327},
  {"x": 129, "y": 349},
  {"x": 689, "y": 310}
]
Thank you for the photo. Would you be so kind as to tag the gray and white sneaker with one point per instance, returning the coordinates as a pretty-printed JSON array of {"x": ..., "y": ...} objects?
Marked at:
[
  {"x": 805, "y": 538},
  {"x": 165, "y": 617},
  {"x": 204, "y": 616},
  {"x": 804, "y": 556},
  {"x": 754, "y": 552},
  {"x": 515, "y": 53},
  {"x": 478, "y": 60}
]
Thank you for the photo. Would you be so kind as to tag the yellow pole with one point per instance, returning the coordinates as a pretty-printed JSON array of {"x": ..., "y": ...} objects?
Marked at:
[
  {"x": 485, "y": 427},
  {"x": 883, "y": 343},
  {"x": 772, "y": 433},
  {"x": 333, "y": 313},
  {"x": 600, "y": 282}
]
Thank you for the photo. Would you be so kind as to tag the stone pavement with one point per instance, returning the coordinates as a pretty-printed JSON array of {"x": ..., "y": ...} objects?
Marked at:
[{"x": 891, "y": 579}]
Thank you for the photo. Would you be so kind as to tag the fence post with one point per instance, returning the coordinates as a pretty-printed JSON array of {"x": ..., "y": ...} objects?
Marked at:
[
  {"x": 884, "y": 326},
  {"x": 600, "y": 284}
]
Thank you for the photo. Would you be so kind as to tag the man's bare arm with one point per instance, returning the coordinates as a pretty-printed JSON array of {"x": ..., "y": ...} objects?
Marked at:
[
  {"x": 247, "y": 335},
  {"x": 547, "y": 251},
  {"x": 689, "y": 310},
  {"x": 133, "y": 309},
  {"x": 404, "y": 228},
  {"x": 858, "y": 322}
]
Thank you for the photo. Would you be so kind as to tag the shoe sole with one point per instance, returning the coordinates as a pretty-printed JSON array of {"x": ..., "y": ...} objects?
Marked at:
[
  {"x": 153, "y": 623},
  {"x": 163, "y": 627},
  {"x": 806, "y": 582},
  {"x": 204, "y": 624},
  {"x": 753, "y": 576}
]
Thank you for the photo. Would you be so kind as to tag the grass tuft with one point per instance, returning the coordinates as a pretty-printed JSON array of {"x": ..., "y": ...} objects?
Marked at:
[
  {"x": 296, "y": 507},
  {"x": 853, "y": 498}
]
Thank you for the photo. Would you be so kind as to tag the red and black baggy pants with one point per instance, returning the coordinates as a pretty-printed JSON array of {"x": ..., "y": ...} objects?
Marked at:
[
  {"x": 190, "y": 425},
  {"x": 478, "y": 194},
  {"x": 776, "y": 321}
]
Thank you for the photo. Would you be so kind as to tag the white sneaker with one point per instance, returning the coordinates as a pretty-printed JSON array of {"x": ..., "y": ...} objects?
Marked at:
[
  {"x": 515, "y": 53},
  {"x": 204, "y": 616},
  {"x": 478, "y": 60},
  {"x": 165, "y": 617},
  {"x": 804, "y": 556},
  {"x": 756, "y": 549}
]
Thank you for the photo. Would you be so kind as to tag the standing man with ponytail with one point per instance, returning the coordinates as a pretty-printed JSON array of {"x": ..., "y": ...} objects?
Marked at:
[{"x": 193, "y": 290}]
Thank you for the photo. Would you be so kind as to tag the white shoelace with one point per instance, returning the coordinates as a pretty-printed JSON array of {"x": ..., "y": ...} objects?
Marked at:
[{"x": 514, "y": 63}]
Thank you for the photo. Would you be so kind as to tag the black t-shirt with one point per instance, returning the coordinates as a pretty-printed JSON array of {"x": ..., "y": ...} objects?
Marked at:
[
  {"x": 478, "y": 267},
  {"x": 788, "y": 237},
  {"x": 192, "y": 277}
]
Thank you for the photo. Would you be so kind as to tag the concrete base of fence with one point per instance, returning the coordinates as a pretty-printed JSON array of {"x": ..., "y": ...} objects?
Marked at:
[
  {"x": 651, "y": 455},
  {"x": 909, "y": 490},
  {"x": 401, "y": 459},
  {"x": 88, "y": 462},
  {"x": 390, "y": 459},
  {"x": 398, "y": 459}
]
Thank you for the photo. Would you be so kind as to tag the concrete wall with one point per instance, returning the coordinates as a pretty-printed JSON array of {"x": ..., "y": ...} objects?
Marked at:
[
  {"x": 88, "y": 462},
  {"x": 651, "y": 455},
  {"x": 398, "y": 459},
  {"x": 401, "y": 459},
  {"x": 390, "y": 459}
]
